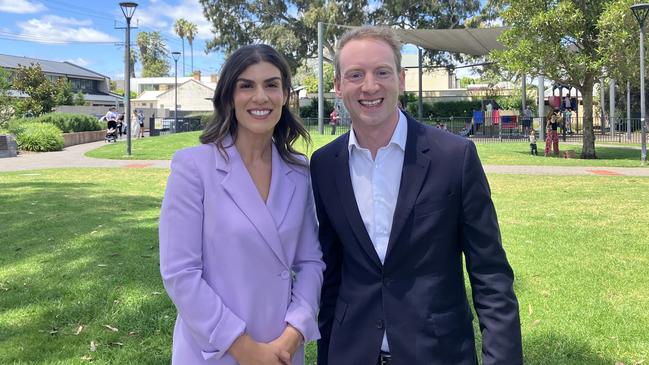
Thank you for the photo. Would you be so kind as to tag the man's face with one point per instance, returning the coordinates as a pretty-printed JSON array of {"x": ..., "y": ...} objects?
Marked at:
[{"x": 369, "y": 83}]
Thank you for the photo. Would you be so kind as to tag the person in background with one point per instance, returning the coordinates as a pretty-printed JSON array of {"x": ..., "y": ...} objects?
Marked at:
[
  {"x": 533, "y": 148},
  {"x": 333, "y": 120},
  {"x": 527, "y": 119},
  {"x": 239, "y": 253},
  {"x": 401, "y": 206},
  {"x": 552, "y": 136},
  {"x": 140, "y": 122}
]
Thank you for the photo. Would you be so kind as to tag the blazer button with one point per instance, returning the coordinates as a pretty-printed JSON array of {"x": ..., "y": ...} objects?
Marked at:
[
  {"x": 379, "y": 324},
  {"x": 285, "y": 274}
]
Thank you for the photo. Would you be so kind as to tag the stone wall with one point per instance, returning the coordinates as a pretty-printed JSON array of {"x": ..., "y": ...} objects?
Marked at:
[
  {"x": 7, "y": 145},
  {"x": 71, "y": 139}
]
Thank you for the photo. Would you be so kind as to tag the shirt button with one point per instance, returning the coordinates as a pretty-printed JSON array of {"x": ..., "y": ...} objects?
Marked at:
[
  {"x": 285, "y": 274},
  {"x": 379, "y": 324}
]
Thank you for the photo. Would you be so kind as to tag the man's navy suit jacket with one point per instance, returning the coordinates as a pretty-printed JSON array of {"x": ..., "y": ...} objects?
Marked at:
[{"x": 444, "y": 211}]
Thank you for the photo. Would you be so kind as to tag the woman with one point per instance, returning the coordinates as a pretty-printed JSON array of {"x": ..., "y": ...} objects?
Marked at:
[
  {"x": 239, "y": 254},
  {"x": 552, "y": 136}
]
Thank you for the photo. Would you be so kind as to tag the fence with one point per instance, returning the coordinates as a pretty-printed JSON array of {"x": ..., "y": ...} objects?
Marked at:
[
  {"x": 161, "y": 126},
  {"x": 625, "y": 131}
]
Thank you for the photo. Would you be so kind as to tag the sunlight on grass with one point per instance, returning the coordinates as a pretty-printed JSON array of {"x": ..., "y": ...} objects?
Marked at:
[{"x": 88, "y": 256}]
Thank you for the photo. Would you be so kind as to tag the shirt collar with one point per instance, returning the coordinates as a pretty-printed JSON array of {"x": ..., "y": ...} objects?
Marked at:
[{"x": 399, "y": 135}]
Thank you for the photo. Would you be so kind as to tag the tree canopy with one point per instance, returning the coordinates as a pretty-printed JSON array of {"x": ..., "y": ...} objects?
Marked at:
[
  {"x": 153, "y": 54},
  {"x": 561, "y": 40},
  {"x": 291, "y": 25}
]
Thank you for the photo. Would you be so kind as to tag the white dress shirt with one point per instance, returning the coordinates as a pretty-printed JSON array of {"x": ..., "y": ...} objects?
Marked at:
[{"x": 376, "y": 187}]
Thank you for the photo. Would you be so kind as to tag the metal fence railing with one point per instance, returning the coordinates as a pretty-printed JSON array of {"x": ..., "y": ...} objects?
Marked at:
[
  {"x": 161, "y": 126},
  {"x": 624, "y": 131}
]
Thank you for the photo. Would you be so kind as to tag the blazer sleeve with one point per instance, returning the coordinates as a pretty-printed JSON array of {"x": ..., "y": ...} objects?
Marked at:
[
  {"x": 490, "y": 274},
  {"x": 213, "y": 326},
  {"x": 332, "y": 256},
  {"x": 308, "y": 268}
]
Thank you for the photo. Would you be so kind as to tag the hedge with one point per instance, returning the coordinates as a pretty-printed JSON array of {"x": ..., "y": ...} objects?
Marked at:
[
  {"x": 40, "y": 137},
  {"x": 67, "y": 123}
]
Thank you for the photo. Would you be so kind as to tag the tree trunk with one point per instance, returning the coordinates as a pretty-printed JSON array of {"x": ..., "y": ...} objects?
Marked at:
[{"x": 588, "y": 147}]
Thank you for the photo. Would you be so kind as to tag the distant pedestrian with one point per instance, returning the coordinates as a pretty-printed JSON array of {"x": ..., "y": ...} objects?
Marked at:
[
  {"x": 533, "y": 150},
  {"x": 120, "y": 125},
  {"x": 552, "y": 136},
  {"x": 140, "y": 122},
  {"x": 333, "y": 120},
  {"x": 527, "y": 120}
]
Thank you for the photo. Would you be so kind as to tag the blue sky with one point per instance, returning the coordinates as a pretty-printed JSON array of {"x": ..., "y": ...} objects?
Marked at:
[{"x": 83, "y": 32}]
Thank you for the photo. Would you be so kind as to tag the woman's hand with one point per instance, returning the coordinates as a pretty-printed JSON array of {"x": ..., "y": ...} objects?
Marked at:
[
  {"x": 289, "y": 341},
  {"x": 250, "y": 352}
]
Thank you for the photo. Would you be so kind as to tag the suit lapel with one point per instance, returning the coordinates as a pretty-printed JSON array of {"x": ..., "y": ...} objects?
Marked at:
[
  {"x": 239, "y": 185},
  {"x": 348, "y": 201},
  {"x": 415, "y": 167},
  {"x": 281, "y": 189}
]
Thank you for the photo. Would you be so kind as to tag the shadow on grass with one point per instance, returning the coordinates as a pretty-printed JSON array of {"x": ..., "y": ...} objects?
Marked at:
[
  {"x": 81, "y": 254},
  {"x": 602, "y": 153},
  {"x": 544, "y": 349}
]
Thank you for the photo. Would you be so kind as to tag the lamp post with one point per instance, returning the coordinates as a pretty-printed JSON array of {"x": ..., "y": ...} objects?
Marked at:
[
  {"x": 176, "y": 56},
  {"x": 640, "y": 11},
  {"x": 128, "y": 9}
]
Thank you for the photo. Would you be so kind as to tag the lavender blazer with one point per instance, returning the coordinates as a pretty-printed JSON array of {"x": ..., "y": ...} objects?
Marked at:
[{"x": 232, "y": 263}]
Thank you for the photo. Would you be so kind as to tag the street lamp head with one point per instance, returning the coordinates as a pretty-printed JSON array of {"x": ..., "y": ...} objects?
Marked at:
[
  {"x": 175, "y": 55},
  {"x": 640, "y": 11},
  {"x": 128, "y": 9}
]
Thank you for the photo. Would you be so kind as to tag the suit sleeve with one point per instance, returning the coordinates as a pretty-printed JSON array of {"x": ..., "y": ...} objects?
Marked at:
[
  {"x": 332, "y": 256},
  {"x": 213, "y": 326},
  {"x": 308, "y": 267},
  {"x": 490, "y": 274}
]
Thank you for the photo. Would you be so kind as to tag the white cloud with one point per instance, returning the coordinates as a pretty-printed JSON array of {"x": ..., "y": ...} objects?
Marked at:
[
  {"x": 20, "y": 6},
  {"x": 79, "y": 62},
  {"x": 163, "y": 15},
  {"x": 56, "y": 29}
]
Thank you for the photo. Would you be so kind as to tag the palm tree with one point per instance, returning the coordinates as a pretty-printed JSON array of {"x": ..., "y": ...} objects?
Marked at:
[
  {"x": 179, "y": 28},
  {"x": 190, "y": 32}
]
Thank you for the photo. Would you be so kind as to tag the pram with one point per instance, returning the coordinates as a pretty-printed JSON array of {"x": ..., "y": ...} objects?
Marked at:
[{"x": 111, "y": 132}]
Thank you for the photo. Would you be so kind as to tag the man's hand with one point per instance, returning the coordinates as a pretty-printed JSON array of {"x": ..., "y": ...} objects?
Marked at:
[
  {"x": 249, "y": 352},
  {"x": 288, "y": 342}
]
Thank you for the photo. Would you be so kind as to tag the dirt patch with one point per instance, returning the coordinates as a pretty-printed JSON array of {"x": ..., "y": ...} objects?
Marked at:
[
  {"x": 605, "y": 172},
  {"x": 138, "y": 165}
]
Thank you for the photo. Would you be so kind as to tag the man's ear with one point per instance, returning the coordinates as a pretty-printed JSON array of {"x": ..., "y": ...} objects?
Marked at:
[
  {"x": 402, "y": 81},
  {"x": 337, "y": 88}
]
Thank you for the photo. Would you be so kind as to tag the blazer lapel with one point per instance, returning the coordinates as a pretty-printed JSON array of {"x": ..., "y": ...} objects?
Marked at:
[
  {"x": 348, "y": 201},
  {"x": 281, "y": 189},
  {"x": 415, "y": 168},
  {"x": 239, "y": 185}
]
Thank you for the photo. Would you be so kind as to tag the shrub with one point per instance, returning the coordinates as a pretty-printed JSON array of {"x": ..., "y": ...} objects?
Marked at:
[
  {"x": 311, "y": 110},
  {"x": 72, "y": 122},
  {"x": 39, "y": 137}
]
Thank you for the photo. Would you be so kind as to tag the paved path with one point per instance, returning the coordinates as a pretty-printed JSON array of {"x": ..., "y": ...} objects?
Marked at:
[{"x": 74, "y": 157}]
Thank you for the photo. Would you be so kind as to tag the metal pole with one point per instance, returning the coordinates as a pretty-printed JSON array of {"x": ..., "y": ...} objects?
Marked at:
[
  {"x": 541, "y": 111},
  {"x": 628, "y": 110},
  {"x": 320, "y": 79},
  {"x": 524, "y": 101},
  {"x": 175, "y": 95},
  {"x": 420, "y": 112},
  {"x": 611, "y": 106},
  {"x": 643, "y": 155},
  {"x": 127, "y": 78},
  {"x": 602, "y": 101}
]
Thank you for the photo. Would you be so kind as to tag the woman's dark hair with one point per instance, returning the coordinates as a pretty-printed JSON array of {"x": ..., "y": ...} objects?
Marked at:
[{"x": 224, "y": 121}]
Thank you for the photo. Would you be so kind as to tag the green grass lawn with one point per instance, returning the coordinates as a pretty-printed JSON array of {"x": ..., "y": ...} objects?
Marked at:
[
  {"x": 493, "y": 153},
  {"x": 79, "y": 256}
]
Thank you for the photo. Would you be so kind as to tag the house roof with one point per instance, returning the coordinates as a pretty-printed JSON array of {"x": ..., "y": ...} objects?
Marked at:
[
  {"x": 150, "y": 95},
  {"x": 210, "y": 88},
  {"x": 50, "y": 67}
]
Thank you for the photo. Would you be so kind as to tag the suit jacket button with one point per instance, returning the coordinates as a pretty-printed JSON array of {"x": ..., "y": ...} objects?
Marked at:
[{"x": 379, "y": 324}]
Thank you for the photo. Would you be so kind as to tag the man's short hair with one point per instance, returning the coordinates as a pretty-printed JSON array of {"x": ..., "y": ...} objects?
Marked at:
[{"x": 384, "y": 34}]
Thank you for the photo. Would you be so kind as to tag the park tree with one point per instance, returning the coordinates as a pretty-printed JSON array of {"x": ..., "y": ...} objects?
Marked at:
[
  {"x": 6, "y": 101},
  {"x": 180, "y": 27},
  {"x": 32, "y": 81},
  {"x": 191, "y": 30},
  {"x": 560, "y": 40},
  {"x": 79, "y": 99},
  {"x": 291, "y": 26},
  {"x": 63, "y": 92},
  {"x": 153, "y": 54},
  {"x": 307, "y": 76}
]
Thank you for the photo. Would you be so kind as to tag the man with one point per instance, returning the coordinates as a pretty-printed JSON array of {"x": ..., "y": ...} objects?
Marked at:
[
  {"x": 333, "y": 120},
  {"x": 527, "y": 120},
  {"x": 399, "y": 204}
]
